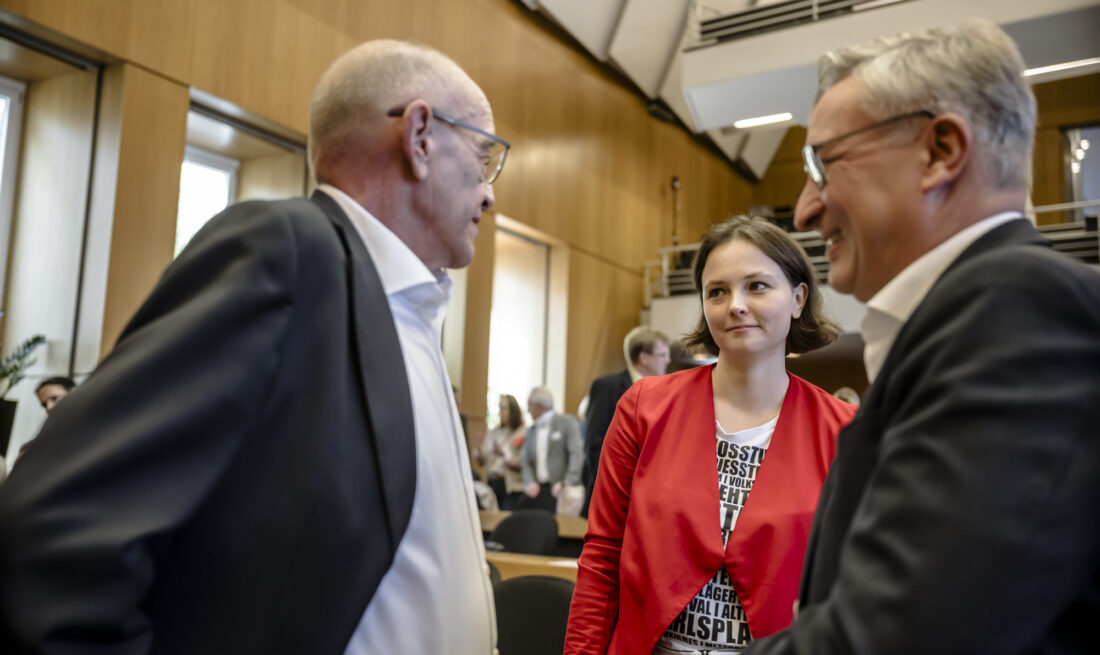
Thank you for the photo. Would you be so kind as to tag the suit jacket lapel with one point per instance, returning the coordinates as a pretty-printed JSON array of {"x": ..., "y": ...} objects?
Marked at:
[{"x": 382, "y": 370}]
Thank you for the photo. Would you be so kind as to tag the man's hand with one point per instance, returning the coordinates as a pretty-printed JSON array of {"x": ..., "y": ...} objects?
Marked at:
[
  {"x": 532, "y": 489},
  {"x": 556, "y": 489}
]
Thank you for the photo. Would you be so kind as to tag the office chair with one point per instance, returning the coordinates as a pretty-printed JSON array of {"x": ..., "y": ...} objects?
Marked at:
[{"x": 532, "y": 613}]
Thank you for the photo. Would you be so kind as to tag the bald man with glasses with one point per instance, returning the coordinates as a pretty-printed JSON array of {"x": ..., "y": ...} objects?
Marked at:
[
  {"x": 961, "y": 515},
  {"x": 271, "y": 461}
]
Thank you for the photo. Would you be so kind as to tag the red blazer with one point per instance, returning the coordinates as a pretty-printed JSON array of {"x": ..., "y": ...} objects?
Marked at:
[{"x": 654, "y": 537}]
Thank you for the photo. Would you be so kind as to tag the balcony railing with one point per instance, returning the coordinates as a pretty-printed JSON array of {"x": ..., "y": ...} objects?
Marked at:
[{"x": 671, "y": 274}]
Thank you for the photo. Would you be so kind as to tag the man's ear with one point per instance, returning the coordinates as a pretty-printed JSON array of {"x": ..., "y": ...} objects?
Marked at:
[
  {"x": 416, "y": 137},
  {"x": 948, "y": 149}
]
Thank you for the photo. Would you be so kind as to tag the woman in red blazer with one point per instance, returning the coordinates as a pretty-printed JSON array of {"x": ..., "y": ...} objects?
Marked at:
[{"x": 679, "y": 556}]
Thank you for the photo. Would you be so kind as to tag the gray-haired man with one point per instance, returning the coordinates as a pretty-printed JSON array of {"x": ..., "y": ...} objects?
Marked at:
[{"x": 962, "y": 512}]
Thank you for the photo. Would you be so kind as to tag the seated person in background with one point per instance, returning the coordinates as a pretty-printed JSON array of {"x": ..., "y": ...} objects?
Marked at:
[
  {"x": 500, "y": 453},
  {"x": 674, "y": 560},
  {"x": 51, "y": 390},
  {"x": 552, "y": 453}
]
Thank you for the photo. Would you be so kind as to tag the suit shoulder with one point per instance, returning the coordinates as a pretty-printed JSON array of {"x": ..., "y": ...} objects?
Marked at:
[
  {"x": 1026, "y": 267},
  {"x": 672, "y": 383},
  {"x": 823, "y": 402},
  {"x": 610, "y": 380}
]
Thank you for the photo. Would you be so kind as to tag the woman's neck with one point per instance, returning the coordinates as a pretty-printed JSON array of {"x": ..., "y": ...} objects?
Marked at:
[{"x": 748, "y": 393}]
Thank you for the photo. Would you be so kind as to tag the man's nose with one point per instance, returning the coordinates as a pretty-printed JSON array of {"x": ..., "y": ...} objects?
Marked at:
[
  {"x": 489, "y": 200},
  {"x": 811, "y": 203}
]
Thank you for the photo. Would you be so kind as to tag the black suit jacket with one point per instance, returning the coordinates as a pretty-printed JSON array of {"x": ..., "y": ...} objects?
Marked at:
[
  {"x": 236, "y": 475},
  {"x": 962, "y": 511},
  {"x": 603, "y": 397}
]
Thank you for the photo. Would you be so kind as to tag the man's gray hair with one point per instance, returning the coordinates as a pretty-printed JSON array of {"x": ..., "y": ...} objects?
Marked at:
[
  {"x": 366, "y": 82},
  {"x": 542, "y": 397},
  {"x": 974, "y": 70}
]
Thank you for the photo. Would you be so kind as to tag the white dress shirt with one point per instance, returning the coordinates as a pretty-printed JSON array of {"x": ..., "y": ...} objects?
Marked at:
[
  {"x": 894, "y": 303},
  {"x": 542, "y": 446},
  {"x": 436, "y": 598}
]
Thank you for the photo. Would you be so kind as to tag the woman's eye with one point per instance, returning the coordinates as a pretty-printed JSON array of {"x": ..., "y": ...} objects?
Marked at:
[
  {"x": 714, "y": 293},
  {"x": 757, "y": 286}
]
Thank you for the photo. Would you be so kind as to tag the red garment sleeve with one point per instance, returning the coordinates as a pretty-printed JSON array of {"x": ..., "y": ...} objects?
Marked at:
[{"x": 595, "y": 608}]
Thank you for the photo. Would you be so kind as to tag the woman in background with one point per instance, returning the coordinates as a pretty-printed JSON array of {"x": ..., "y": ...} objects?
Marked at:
[
  {"x": 500, "y": 453},
  {"x": 709, "y": 477}
]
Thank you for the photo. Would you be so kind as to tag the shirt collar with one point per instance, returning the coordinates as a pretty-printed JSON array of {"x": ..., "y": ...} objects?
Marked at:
[
  {"x": 399, "y": 268},
  {"x": 894, "y": 303},
  {"x": 545, "y": 418}
]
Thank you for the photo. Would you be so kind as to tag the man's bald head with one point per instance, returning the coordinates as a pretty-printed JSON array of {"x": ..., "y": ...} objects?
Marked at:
[{"x": 349, "y": 104}]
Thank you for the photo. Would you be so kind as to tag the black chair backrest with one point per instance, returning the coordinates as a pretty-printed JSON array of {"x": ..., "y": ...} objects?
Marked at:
[
  {"x": 530, "y": 531},
  {"x": 532, "y": 612}
]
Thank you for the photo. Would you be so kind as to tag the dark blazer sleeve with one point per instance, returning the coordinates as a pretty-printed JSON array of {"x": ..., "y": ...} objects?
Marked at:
[
  {"x": 602, "y": 398},
  {"x": 132, "y": 452},
  {"x": 978, "y": 526}
]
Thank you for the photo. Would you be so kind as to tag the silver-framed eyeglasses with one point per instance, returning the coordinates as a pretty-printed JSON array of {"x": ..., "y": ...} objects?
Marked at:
[
  {"x": 498, "y": 147},
  {"x": 814, "y": 164}
]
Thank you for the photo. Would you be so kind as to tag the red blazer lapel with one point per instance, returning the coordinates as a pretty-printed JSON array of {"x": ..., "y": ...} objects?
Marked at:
[{"x": 765, "y": 552}]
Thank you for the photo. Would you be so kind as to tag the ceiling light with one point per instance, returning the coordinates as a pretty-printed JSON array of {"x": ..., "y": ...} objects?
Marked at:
[
  {"x": 1042, "y": 70},
  {"x": 1079, "y": 154},
  {"x": 1075, "y": 167},
  {"x": 1084, "y": 144},
  {"x": 763, "y": 120}
]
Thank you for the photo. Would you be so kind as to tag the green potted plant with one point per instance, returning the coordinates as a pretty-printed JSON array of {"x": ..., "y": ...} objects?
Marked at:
[{"x": 12, "y": 369}]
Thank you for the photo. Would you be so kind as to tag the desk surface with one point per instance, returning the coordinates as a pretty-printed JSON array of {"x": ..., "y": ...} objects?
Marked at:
[
  {"x": 569, "y": 527},
  {"x": 515, "y": 564}
]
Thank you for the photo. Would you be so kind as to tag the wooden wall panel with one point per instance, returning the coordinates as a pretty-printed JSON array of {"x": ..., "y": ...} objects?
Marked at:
[
  {"x": 272, "y": 178},
  {"x": 146, "y": 192},
  {"x": 603, "y": 306},
  {"x": 158, "y": 35},
  {"x": 785, "y": 177}
]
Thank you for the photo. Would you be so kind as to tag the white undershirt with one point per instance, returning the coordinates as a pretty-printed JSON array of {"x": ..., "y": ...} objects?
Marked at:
[
  {"x": 542, "y": 446},
  {"x": 894, "y": 303},
  {"x": 714, "y": 620},
  {"x": 436, "y": 597}
]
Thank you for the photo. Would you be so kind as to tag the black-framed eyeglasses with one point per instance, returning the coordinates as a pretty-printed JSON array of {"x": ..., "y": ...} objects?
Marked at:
[
  {"x": 498, "y": 148},
  {"x": 814, "y": 164}
]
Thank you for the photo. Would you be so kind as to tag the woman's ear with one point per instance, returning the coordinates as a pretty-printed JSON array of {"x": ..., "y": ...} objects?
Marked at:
[
  {"x": 800, "y": 294},
  {"x": 416, "y": 133},
  {"x": 948, "y": 150}
]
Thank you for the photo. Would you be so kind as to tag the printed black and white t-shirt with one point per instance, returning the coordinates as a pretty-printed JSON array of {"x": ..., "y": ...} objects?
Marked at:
[{"x": 714, "y": 621}]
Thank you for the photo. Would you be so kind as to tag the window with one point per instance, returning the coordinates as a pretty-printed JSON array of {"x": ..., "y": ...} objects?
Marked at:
[
  {"x": 208, "y": 184},
  {"x": 11, "y": 120},
  {"x": 1084, "y": 168},
  {"x": 518, "y": 321}
]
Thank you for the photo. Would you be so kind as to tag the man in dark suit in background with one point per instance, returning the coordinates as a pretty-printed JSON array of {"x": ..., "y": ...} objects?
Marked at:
[
  {"x": 647, "y": 353},
  {"x": 962, "y": 512},
  {"x": 270, "y": 460}
]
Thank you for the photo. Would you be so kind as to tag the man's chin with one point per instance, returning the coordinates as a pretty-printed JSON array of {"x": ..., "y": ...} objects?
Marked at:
[{"x": 840, "y": 283}]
